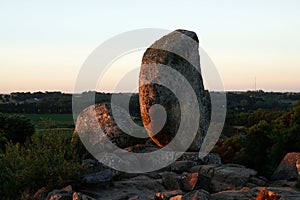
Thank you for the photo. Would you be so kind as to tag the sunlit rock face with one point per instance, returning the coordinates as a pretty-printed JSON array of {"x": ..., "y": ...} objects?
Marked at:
[
  {"x": 298, "y": 165},
  {"x": 288, "y": 168},
  {"x": 97, "y": 128},
  {"x": 175, "y": 52}
]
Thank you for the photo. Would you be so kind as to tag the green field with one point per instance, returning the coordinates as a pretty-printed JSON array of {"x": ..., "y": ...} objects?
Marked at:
[
  {"x": 58, "y": 121},
  {"x": 54, "y": 120}
]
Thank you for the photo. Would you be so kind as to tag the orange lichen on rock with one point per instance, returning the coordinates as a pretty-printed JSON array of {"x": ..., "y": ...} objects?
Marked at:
[{"x": 265, "y": 194}]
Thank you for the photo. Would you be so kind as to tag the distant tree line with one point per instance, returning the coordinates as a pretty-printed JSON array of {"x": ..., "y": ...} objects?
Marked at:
[
  {"x": 253, "y": 100},
  {"x": 61, "y": 103},
  {"x": 43, "y": 103}
]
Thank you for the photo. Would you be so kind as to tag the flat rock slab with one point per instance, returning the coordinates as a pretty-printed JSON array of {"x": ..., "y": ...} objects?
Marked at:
[
  {"x": 226, "y": 177},
  {"x": 141, "y": 187}
]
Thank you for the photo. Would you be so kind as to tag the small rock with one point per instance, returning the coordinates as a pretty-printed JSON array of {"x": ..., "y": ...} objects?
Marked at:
[
  {"x": 68, "y": 188},
  {"x": 197, "y": 180},
  {"x": 259, "y": 181},
  {"x": 181, "y": 166},
  {"x": 195, "y": 169},
  {"x": 298, "y": 183},
  {"x": 204, "y": 182},
  {"x": 167, "y": 195},
  {"x": 170, "y": 180},
  {"x": 298, "y": 165},
  {"x": 142, "y": 148},
  {"x": 201, "y": 159},
  {"x": 102, "y": 178},
  {"x": 283, "y": 183},
  {"x": 40, "y": 194},
  {"x": 63, "y": 194},
  {"x": 191, "y": 156},
  {"x": 248, "y": 185},
  {"x": 208, "y": 170},
  {"x": 134, "y": 198},
  {"x": 80, "y": 196},
  {"x": 298, "y": 169},
  {"x": 265, "y": 194},
  {"x": 245, "y": 188},
  {"x": 287, "y": 169},
  {"x": 154, "y": 175},
  {"x": 235, "y": 194},
  {"x": 197, "y": 195},
  {"x": 93, "y": 164},
  {"x": 211, "y": 158},
  {"x": 189, "y": 181},
  {"x": 177, "y": 197}
]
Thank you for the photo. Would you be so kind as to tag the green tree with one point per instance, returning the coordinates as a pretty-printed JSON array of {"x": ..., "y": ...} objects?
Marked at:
[
  {"x": 47, "y": 160},
  {"x": 295, "y": 115},
  {"x": 15, "y": 128},
  {"x": 257, "y": 143},
  {"x": 230, "y": 149}
]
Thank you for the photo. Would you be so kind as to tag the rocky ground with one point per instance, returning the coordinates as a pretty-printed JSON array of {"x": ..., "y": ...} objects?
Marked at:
[{"x": 188, "y": 178}]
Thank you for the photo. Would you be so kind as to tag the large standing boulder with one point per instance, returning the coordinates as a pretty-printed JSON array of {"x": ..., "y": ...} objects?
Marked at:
[
  {"x": 287, "y": 169},
  {"x": 178, "y": 51}
]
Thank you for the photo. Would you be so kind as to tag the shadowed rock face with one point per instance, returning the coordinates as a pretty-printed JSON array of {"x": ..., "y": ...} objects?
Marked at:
[{"x": 178, "y": 51}]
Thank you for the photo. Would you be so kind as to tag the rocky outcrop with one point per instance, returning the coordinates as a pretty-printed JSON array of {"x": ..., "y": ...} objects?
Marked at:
[
  {"x": 188, "y": 158},
  {"x": 287, "y": 169},
  {"x": 192, "y": 181},
  {"x": 174, "y": 53},
  {"x": 197, "y": 194},
  {"x": 67, "y": 193},
  {"x": 230, "y": 176},
  {"x": 210, "y": 158},
  {"x": 188, "y": 177},
  {"x": 181, "y": 166},
  {"x": 96, "y": 126},
  {"x": 259, "y": 193},
  {"x": 138, "y": 187},
  {"x": 98, "y": 179}
]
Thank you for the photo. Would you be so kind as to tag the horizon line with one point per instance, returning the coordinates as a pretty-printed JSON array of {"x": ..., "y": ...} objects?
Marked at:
[{"x": 128, "y": 92}]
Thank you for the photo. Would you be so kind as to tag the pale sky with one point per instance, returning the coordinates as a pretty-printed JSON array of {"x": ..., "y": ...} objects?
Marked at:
[{"x": 43, "y": 44}]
